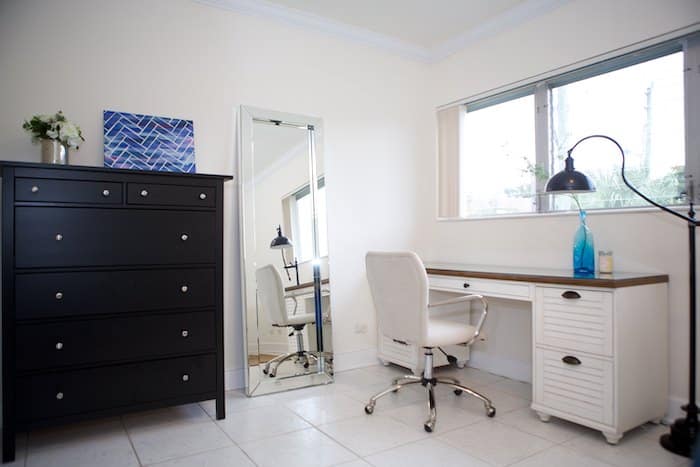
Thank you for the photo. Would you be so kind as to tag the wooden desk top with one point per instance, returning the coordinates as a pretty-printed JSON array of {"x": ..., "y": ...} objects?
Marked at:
[
  {"x": 545, "y": 276},
  {"x": 303, "y": 285}
]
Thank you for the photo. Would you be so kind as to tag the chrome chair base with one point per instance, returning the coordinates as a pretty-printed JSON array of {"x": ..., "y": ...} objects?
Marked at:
[{"x": 429, "y": 383}]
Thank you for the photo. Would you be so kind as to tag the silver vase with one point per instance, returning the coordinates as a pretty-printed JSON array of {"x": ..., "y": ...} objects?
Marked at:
[{"x": 53, "y": 152}]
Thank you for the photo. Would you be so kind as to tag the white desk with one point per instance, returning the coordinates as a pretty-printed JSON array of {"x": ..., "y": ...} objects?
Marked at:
[{"x": 600, "y": 350}]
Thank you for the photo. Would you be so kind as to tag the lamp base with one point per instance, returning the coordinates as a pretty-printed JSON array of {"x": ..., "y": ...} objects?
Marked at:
[{"x": 681, "y": 439}]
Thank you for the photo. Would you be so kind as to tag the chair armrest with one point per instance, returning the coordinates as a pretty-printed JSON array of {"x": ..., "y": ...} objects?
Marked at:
[{"x": 466, "y": 299}]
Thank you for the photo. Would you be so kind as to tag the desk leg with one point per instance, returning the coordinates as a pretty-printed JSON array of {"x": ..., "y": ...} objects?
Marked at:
[{"x": 543, "y": 416}]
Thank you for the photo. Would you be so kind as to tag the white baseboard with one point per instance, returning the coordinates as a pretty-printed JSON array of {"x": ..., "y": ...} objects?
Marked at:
[
  {"x": 356, "y": 359},
  {"x": 234, "y": 379},
  {"x": 674, "y": 409},
  {"x": 513, "y": 369}
]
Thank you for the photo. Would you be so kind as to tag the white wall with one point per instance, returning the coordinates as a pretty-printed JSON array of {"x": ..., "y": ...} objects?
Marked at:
[
  {"x": 182, "y": 59},
  {"x": 641, "y": 241}
]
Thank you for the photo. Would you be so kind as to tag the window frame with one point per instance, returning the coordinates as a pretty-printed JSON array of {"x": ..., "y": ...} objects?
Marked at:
[{"x": 541, "y": 89}]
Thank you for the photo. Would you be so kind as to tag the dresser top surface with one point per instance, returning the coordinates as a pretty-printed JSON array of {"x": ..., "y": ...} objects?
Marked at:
[
  {"x": 85, "y": 168},
  {"x": 544, "y": 275}
]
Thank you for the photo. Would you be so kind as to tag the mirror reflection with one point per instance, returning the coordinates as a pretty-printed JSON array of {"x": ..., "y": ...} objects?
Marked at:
[{"x": 284, "y": 252}]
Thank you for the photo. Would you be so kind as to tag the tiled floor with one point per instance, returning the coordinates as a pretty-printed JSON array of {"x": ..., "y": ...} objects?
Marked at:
[{"x": 326, "y": 426}]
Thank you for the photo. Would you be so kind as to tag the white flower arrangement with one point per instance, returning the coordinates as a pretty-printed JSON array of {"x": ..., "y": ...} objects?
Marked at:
[{"x": 54, "y": 127}]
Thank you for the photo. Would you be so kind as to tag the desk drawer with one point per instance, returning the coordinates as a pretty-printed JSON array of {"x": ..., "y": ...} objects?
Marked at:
[
  {"x": 67, "y": 191},
  {"x": 71, "y": 237},
  {"x": 171, "y": 195},
  {"x": 490, "y": 288},
  {"x": 584, "y": 389},
  {"x": 50, "y": 395},
  {"x": 59, "y": 294},
  {"x": 57, "y": 344},
  {"x": 583, "y": 321}
]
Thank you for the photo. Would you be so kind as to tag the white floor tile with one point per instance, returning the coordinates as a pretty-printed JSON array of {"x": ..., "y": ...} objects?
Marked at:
[
  {"x": 638, "y": 448},
  {"x": 559, "y": 456},
  {"x": 355, "y": 463},
  {"x": 368, "y": 434},
  {"x": 100, "y": 443},
  {"x": 190, "y": 413},
  {"x": 423, "y": 453},
  {"x": 169, "y": 441},
  {"x": 325, "y": 409},
  {"x": 255, "y": 424},
  {"x": 298, "y": 449},
  {"x": 495, "y": 443},
  {"x": 556, "y": 430},
  {"x": 503, "y": 402},
  {"x": 236, "y": 401},
  {"x": 448, "y": 418},
  {"x": 227, "y": 457},
  {"x": 514, "y": 388}
]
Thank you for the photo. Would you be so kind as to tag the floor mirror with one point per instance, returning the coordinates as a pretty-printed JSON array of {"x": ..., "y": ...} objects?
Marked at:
[{"x": 284, "y": 251}]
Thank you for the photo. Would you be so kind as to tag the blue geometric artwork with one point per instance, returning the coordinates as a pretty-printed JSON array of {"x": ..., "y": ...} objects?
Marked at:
[{"x": 145, "y": 142}]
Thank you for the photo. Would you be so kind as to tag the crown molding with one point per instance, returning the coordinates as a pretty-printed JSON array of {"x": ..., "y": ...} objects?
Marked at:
[{"x": 510, "y": 18}]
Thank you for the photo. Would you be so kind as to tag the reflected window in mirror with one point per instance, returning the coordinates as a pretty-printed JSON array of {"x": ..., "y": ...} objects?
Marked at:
[{"x": 299, "y": 214}]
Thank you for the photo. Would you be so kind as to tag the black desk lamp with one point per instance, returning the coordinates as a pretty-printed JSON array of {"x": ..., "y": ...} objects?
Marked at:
[
  {"x": 280, "y": 242},
  {"x": 683, "y": 433}
]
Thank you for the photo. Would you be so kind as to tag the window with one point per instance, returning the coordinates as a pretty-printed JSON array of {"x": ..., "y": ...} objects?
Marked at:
[
  {"x": 301, "y": 217},
  {"x": 511, "y": 143}
]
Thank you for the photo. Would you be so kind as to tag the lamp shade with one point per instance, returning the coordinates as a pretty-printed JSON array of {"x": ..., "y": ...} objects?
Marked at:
[
  {"x": 569, "y": 180},
  {"x": 280, "y": 242}
]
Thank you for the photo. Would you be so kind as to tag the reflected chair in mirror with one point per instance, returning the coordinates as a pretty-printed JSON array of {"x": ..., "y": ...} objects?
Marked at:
[
  {"x": 273, "y": 300},
  {"x": 399, "y": 286}
]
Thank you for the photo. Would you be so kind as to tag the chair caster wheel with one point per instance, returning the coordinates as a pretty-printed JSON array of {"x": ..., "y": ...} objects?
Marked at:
[
  {"x": 306, "y": 365},
  {"x": 491, "y": 412},
  {"x": 265, "y": 372},
  {"x": 271, "y": 375},
  {"x": 369, "y": 409},
  {"x": 428, "y": 427},
  {"x": 458, "y": 392}
]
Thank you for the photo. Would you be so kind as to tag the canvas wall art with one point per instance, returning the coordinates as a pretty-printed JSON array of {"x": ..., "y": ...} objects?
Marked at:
[{"x": 147, "y": 142}]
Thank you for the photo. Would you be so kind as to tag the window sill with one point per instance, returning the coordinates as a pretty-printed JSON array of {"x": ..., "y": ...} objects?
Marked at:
[{"x": 589, "y": 212}]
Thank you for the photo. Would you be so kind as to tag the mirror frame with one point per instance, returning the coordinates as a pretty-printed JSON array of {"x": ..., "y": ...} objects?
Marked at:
[{"x": 247, "y": 116}]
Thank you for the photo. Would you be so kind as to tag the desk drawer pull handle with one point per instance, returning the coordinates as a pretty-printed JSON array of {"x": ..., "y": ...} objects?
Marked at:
[
  {"x": 185, "y": 377},
  {"x": 184, "y": 237},
  {"x": 59, "y": 345},
  {"x": 35, "y": 189},
  {"x": 202, "y": 196},
  {"x": 144, "y": 193},
  {"x": 59, "y": 396},
  {"x": 466, "y": 285},
  {"x": 59, "y": 295},
  {"x": 105, "y": 193},
  {"x": 400, "y": 342},
  {"x": 59, "y": 237},
  {"x": 571, "y": 360},
  {"x": 185, "y": 333},
  {"x": 184, "y": 289},
  {"x": 570, "y": 294}
]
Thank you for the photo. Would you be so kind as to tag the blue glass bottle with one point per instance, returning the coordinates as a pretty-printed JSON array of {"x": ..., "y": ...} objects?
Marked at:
[{"x": 584, "y": 259}]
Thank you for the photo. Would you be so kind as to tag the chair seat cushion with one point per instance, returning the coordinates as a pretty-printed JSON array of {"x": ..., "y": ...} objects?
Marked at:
[
  {"x": 301, "y": 319},
  {"x": 447, "y": 332}
]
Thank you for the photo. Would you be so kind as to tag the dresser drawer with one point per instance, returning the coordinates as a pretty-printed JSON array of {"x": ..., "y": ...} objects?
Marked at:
[
  {"x": 575, "y": 319},
  {"x": 65, "y": 237},
  {"x": 58, "y": 294},
  {"x": 67, "y": 191},
  {"x": 51, "y": 395},
  {"x": 171, "y": 195},
  {"x": 584, "y": 389},
  {"x": 51, "y": 345}
]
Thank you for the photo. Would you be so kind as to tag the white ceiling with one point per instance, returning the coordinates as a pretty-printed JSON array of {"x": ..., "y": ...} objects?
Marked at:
[
  {"x": 424, "y": 23},
  {"x": 425, "y": 30}
]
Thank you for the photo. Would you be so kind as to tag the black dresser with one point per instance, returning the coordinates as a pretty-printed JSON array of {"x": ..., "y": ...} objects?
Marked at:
[{"x": 112, "y": 293}]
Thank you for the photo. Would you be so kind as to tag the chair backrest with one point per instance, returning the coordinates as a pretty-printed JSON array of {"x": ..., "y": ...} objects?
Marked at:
[
  {"x": 271, "y": 294},
  {"x": 399, "y": 286}
]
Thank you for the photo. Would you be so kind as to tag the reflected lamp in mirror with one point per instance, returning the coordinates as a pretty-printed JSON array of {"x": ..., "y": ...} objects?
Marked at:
[{"x": 280, "y": 242}]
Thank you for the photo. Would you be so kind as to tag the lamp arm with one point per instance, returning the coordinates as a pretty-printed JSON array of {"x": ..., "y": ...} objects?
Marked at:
[{"x": 629, "y": 185}]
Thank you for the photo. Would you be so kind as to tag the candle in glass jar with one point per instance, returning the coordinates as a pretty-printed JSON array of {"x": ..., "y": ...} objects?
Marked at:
[{"x": 605, "y": 262}]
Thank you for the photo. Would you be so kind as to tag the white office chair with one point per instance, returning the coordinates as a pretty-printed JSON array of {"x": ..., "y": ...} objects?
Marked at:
[
  {"x": 272, "y": 298},
  {"x": 399, "y": 286}
]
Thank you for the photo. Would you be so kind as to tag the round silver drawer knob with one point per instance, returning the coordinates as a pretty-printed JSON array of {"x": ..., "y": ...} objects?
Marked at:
[
  {"x": 105, "y": 193},
  {"x": 59, "y": 295},
  {"x": 202, "y": 196},
  {"x": 59, "y": 237},
  {"x": 35, "y": 189},
  {"x": 59, "y": 345},
  {"x": 59, "y": 395},
  {"x": 144, "y": 193},
  {"x": 185, "y": 377},
  {"x": 184, "y": 237},
  {"x": 185, "y": 333},
  {"x": 184, "y": 289}
]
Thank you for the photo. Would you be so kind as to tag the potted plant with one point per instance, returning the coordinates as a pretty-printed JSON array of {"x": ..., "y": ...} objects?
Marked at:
[{"x": 56, "y": 134}]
